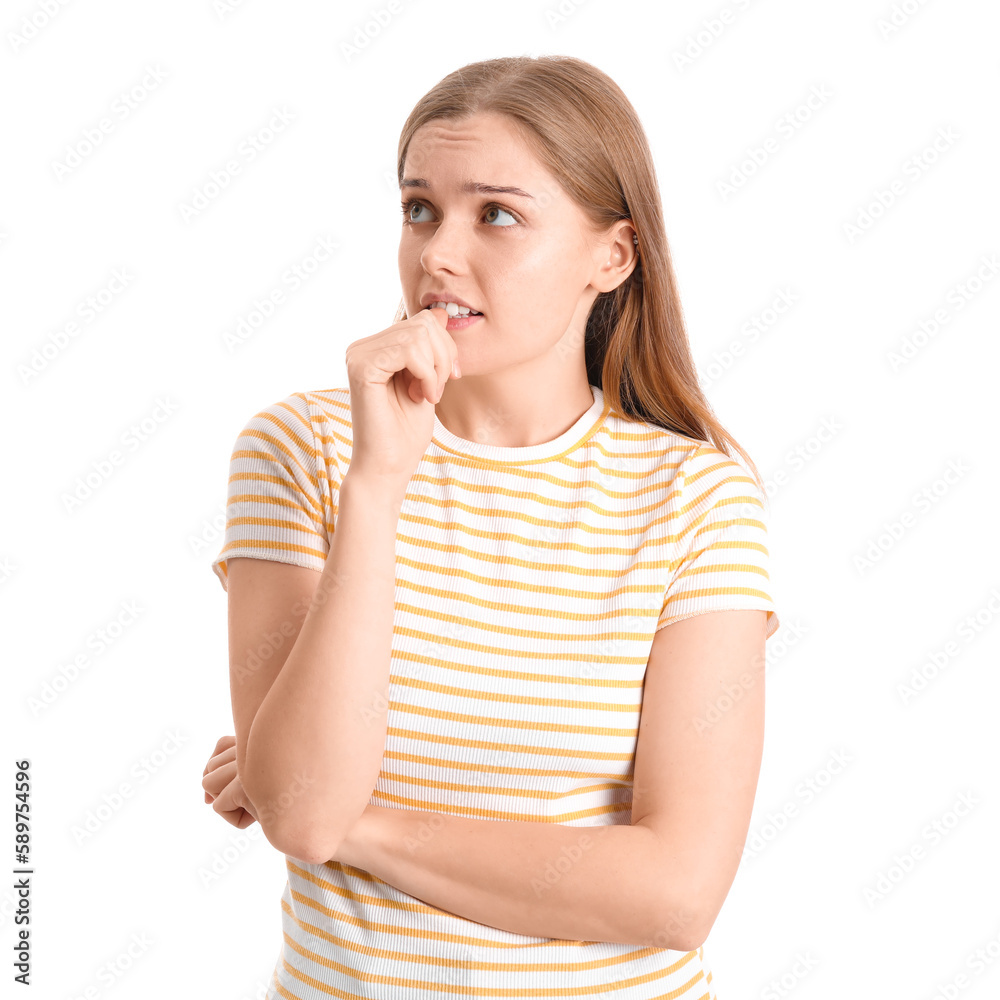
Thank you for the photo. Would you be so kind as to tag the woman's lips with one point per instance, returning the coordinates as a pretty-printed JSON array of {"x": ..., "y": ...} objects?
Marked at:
[{"x": 462, "y": 322}]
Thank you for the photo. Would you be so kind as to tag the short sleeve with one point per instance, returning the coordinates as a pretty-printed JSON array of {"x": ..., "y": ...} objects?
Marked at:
[
  {"x": 279, "y": 493},
  {"x": 719, "y": 538}
]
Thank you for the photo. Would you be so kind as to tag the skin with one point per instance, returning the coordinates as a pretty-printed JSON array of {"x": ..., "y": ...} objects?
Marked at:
[{"x": 533, "y": 267}]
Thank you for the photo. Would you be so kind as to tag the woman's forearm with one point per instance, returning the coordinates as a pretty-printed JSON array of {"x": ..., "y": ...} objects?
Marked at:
[
  {"x": 316, "y": 743},
  {"x": 613, "y": 883}
]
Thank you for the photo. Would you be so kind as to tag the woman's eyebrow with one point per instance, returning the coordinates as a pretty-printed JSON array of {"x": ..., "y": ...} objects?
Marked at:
[{"x": 470, "y": 187}]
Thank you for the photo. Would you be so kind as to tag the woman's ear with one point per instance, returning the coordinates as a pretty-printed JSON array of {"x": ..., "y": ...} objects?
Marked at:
[{"x": 619, "y": 252}]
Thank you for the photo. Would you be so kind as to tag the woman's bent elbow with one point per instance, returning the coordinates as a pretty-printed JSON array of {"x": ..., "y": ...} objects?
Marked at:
[
  {"x": 307, "y": 853},
  {"x": 680, "y": 928},
  {"x": 301, "y": 840}
]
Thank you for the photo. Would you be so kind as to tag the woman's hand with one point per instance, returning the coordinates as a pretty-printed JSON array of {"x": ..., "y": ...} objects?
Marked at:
[
  {"x": 223, "y": 788},
  {"x": 396, "y": 377}
]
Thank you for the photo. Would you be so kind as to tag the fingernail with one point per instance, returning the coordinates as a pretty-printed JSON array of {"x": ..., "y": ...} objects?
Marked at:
[{"x": 455, "y": 370}]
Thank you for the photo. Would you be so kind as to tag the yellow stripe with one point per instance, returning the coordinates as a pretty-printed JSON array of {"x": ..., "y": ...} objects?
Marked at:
[
  {"x": 514, "y": 610},
  {"x": 528, "y": 654},
  {"x": 471, "y": 668},
  {"x": 727, "y": 567},
  {"x": 260, "y": 543},
  {"x": 528, "y": 793},
  {"x": 436, "y": 739},
  {"x": 505, "y": 815},
  {"x": 272, "y": 522},
  {"x": 581, "y": 595},
  {"x": 282, "y": 990},
  {"x": 496, "y": 698},
  {"x": 463, "y": 765},
  {"x": 538, "y": 727},
  {"x": 453, "y": 571},
  {"x": 525, "y": 469},
  {"x": 515, "y": 515},
  {"x": 689, "y": 595}
]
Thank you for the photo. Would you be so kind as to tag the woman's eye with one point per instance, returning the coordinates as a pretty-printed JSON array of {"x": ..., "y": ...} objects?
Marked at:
[
  {"x": 497, "y": 208},
  {"x": 409, "y": 209}
]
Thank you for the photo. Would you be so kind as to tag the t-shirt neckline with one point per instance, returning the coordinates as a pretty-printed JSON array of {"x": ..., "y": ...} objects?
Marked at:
[{"x": 568, "y": 441}]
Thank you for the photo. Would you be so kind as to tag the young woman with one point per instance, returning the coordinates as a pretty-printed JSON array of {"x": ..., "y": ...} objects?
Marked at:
[{"x": 480, "y": 702}]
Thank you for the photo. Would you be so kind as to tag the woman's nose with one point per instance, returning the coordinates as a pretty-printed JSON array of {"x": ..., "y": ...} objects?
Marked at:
[{"x": 447, "y": 247}]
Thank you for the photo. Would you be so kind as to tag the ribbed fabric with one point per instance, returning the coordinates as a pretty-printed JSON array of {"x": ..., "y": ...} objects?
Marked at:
[{"x": 529, "y": 585}]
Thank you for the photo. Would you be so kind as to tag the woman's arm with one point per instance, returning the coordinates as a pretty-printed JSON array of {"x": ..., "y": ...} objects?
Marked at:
[
  {"x": 575, "y": 883},
  {"x": 316, "y": 742},
  {"x": 460, "y": 865},
  {"x": 660, "y": 881}
]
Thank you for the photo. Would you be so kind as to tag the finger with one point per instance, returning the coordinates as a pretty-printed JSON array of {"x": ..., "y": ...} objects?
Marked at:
[
  {"x": 445, "y": 349},
  {"x": 233, "y": 815},
  {"x": 216, "y": 781},
  {"x": 231, "y": 809},
  {"x": 220, "y": 758},
  {"x": 225, "y": 800},
  {"x": 421, "y": 364},
  {"x": 242, "y": 799},
  {"x": 224, "y": 772},
  {"x": 213, "y": 784},
  {"x": 224, "y": 751},
  {"x": 245, "y": 820}
]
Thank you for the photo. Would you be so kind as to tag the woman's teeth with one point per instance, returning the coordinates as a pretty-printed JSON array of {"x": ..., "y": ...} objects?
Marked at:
[{"x": 453, "y": 309}]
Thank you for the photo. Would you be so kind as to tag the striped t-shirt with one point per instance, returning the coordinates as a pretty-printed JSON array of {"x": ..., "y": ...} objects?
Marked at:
[{"x": 529, "y": 584}]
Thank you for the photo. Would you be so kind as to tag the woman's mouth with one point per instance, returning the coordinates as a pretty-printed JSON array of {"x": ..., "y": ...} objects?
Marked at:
[
  {"x": 458, "y": 320},
  {"x": 461, "y": 322}
]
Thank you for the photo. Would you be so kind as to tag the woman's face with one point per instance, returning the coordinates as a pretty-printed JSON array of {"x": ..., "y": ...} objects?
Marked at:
[{"x": 525, "y": 260}]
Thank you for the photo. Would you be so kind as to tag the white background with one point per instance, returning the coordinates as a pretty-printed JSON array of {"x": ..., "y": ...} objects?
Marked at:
[{"x": 847, "y": 440}]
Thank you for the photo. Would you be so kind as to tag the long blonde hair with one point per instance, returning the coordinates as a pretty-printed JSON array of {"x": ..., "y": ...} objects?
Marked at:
[{"x": 584, "y": 130}]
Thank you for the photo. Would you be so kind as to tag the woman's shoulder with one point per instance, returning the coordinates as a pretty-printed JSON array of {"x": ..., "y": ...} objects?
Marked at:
[
  {"x": 329, "y": 412},
  {"x": 335, "y": 404},
  {"x": 692, "y": 465},
  {"x": 664, "y": 445},
  {"x": 314, "y": 425},
  {"x": 326, "y": 411}
]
